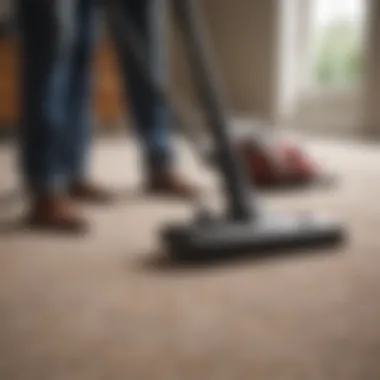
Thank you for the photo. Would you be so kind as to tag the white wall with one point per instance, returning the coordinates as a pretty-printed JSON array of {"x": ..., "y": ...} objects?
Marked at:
[
  {"x": 330, "y": 113},
  {"x": 243, "y": 33},
  {"x": 288, "y": 63}
]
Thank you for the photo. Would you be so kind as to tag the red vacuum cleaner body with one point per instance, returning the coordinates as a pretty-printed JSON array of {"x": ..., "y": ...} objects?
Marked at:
[{"x": 274, "y": 162}]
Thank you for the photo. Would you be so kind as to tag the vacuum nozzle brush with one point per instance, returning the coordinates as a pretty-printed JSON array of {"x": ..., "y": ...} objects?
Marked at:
[{"x": 267, "y": 234}]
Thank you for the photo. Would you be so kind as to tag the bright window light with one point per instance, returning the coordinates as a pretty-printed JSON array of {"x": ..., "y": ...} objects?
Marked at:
[{"x": 337, "y": 42}]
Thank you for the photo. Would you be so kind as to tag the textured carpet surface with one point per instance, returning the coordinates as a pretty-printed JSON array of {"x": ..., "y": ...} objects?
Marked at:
[{"x": 106, "y": 307}]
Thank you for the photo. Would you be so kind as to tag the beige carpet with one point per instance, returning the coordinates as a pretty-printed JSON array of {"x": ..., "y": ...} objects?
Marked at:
[{"x": 98, "y": 307}]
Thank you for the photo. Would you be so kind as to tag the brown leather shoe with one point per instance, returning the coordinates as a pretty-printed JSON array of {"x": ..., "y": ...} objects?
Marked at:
[
  {"x": 171, "y": 184},
  {"x": 55, "y": 212},
  {"x": 89, "y": 192}
]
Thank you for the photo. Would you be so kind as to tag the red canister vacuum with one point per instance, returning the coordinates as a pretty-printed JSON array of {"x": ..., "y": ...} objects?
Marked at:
[{"x": 277, "y": 163}]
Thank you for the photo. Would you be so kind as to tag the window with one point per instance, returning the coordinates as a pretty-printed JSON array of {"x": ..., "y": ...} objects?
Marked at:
[
  {"x": 330, "y": 71},
  {"x": 337, "y": 43}
]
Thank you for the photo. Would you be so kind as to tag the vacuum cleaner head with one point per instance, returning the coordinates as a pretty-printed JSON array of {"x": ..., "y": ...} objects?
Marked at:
[{"x": 268, "y": 234}]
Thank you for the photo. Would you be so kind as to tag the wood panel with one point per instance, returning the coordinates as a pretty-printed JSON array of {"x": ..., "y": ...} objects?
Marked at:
[
  {"x": 109, "y": 102},
  {"x": 9, "y": 109},
  {"x": 109, "y": 97}
]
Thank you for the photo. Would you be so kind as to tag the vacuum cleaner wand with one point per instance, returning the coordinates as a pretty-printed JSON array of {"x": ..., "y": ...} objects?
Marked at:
[{"x": 239, "y": 194}]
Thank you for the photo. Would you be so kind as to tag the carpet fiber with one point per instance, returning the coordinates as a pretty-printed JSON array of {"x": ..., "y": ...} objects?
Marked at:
[{"x": 106, "y": 306}]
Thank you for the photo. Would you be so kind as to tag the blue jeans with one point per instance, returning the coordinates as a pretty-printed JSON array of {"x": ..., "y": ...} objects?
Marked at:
[{"x": 58, "y": 38}]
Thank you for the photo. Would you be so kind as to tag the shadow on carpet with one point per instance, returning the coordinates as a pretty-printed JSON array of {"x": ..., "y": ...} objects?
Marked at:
[{"x": 162, "y": 262}]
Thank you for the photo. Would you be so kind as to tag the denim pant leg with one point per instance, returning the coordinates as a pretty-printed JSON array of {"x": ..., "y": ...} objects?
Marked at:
[
  {"x": 79, "y": 118},
  {"x": 47, "y": 35},
  {"x": 153, "y": 120}
]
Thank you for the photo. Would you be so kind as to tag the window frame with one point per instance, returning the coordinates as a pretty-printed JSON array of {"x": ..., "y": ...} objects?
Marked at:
[{"x": 316, "y": 107}]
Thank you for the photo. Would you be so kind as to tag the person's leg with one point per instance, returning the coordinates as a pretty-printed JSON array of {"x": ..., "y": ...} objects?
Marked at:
[
  {"x": 79, "y": 97},
  {"x": 153, "y": 119},
  {"x": 47, "y": 35},
  {"x": 79, "y": 118}
]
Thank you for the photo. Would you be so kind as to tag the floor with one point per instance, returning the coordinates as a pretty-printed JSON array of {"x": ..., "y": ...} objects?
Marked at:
[{"x": 106, "y": 307}]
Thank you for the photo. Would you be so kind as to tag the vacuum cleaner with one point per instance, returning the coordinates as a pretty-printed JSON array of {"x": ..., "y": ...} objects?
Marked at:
[
  {"x": 276, "y": 163},
  {"x": 243, "y": 227}
]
